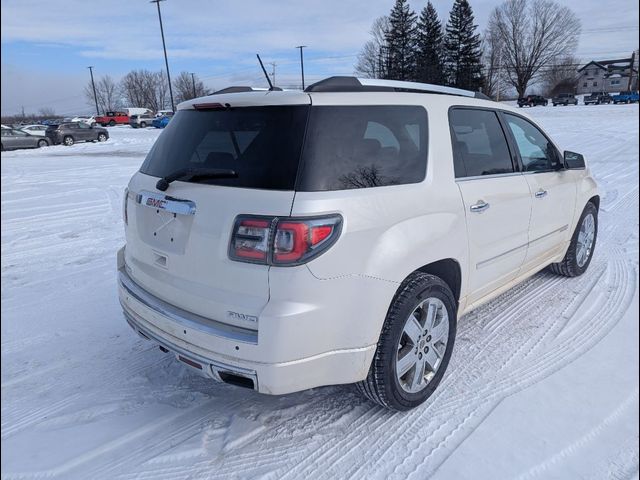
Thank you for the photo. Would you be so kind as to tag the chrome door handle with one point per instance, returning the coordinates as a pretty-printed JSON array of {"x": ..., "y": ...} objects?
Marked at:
[
  {"x": 541, "y": 193},
  {"x": 479, "y": 206}
]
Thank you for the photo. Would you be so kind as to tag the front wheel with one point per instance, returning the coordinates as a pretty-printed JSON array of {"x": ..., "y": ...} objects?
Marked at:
[
  {"x": 68, "y": 140},
  {"x": 580, "y": 251},
  {"x": 112, "y": 123},
  {"x": 415, "y": 345},
  {"x": 143, "y": 124},
  {"x": 102, "y": 137},
  {"x": 42, "y": 143}
]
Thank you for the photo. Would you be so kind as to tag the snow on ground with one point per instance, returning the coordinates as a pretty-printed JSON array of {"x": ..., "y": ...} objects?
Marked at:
[{"x": 543, "y": 382}]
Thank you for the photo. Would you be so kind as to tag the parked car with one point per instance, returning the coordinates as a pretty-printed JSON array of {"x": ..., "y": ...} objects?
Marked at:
[
  {"x": 161, "y": 122},
  {"x": 532, "y": 101},
  {"x": 164, "y": 113},
  {"x": 35, "y": 129},
  {"x": 13, "y": 139},
  {"x": 141, "y": 121},
  {"x": 278, "y": 245},
  {"x": 113, "y": 118},
  {"x": 138, "y": 111},
  {"x": 90, "y": 120},
  {"x": 565, "y": 99},
  {"x": 70, "y": 133},
  {"x": 596, "y": 98},
  {"x": 625, "y": 97}
]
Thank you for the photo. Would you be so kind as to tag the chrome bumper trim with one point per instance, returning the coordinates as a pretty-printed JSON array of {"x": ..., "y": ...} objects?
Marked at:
[
  {"x": 184, "y": 318},
  {"x": 211, "y": 368}
]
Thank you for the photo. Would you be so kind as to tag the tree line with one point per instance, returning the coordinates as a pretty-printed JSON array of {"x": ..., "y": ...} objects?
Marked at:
[
  {"x": 142, "y": 88},
  {"x": 526, "y": 42}
]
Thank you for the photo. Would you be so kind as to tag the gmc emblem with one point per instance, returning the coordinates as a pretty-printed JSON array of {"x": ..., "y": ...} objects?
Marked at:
[{"x": 156, "y": 203}]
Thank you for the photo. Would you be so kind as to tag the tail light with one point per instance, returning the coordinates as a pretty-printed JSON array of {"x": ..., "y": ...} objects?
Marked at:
[
  {"x": 125, "y": 214},
  {"x": 283, "y": 241}
]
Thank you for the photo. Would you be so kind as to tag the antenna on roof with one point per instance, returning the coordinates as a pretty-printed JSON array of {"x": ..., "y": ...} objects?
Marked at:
[{"x": 265, "y": 72}]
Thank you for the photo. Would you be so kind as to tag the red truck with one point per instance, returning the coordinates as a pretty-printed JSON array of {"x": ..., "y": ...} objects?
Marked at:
[{"x": 113, "y": 118}]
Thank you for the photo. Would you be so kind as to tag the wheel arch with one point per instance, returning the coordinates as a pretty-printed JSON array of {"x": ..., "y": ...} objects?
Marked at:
[{"x": 447, "y": 269}]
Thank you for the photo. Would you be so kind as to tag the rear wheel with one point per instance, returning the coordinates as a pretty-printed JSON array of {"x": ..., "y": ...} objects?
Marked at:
[
  {"x": 578, "y": 256},
  {"x": 68, "y": 140},
  {"x": 143, "y": 124},
  {"x": 42, "y": 143},
  {"x": 415, "y": 344}
]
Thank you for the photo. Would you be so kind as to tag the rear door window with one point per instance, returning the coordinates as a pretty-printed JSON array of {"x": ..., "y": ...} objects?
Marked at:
[
  {"x": 479, "y": 143},
  {"x": 349, "y": 147}
]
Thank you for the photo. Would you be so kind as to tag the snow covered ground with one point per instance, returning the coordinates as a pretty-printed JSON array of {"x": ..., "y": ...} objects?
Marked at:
[{"x": 543, "y": 383}]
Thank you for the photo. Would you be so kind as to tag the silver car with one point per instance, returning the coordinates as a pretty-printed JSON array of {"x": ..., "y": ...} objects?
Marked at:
[{"x": 13, "y": 139}]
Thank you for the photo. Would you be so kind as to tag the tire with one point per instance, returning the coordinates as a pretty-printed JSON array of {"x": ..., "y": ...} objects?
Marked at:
[
  {"x": 574, "y": 264},
  {"x": 43, "y": 143},
  {"x": 68, "y": 140},
  {"x": 555, "y": 104},
  {"x": 420, "y": 292},
  {"x": 112, "y": 123},
  {"x": 143, "y": 124},
  {"x": 102, "y": 137}
]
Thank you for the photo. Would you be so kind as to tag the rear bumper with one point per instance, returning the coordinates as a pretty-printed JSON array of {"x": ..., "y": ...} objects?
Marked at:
[{"x": 305, "y": 355}]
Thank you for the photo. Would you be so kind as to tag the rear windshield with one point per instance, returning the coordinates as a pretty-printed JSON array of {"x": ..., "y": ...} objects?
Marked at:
[
  {"x": 344, "y": 147},
  {"x": 262, "y": 144}
]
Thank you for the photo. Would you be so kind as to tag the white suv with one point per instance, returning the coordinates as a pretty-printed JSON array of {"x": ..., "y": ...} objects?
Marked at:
[{"x": 285, "y": 240}]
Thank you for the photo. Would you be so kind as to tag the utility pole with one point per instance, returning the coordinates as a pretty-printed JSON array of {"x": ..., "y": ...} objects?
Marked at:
[
  {"x": 166, "y": 62},
  {"x": 273, "y": 71},
  {"x": 193, "y": 84},
  {"x": 302, "y": 63},
  {"x": 95, "y": 97},
  {"x": 631, "y": 65}
]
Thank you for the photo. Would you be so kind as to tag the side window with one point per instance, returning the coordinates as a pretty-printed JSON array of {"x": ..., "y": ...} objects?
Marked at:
[
  {"x": 479, "y": 144},
  {"x": 350, "y": 147},
  {"x": 536, "y": 151}
]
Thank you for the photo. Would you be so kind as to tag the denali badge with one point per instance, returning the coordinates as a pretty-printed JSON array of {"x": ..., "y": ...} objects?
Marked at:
[{"x": 241, "y": 316}]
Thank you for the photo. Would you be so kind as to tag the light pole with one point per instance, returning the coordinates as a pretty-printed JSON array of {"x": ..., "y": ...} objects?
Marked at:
[
  {"x": 166, "y": 62},
  {"x": 302, "y": 63},
  {"x": 193, "y": 84},
  {"x": 95, "y": 97}
]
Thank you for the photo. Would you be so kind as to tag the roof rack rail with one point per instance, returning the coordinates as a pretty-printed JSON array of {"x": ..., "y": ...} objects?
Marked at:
[
  {"x": 354, "y": 84},
  {"x": 238, "y": 89}
]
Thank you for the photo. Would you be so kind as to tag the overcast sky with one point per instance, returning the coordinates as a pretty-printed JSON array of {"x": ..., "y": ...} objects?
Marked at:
[{"x": 46, "y": 46}]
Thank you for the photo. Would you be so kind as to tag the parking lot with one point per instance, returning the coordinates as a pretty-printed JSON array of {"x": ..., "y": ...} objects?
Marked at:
[{"x": 84, "y": 397}]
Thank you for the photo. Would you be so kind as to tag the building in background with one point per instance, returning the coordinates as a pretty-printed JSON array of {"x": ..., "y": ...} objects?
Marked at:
[{"x": 608, "y": 75}]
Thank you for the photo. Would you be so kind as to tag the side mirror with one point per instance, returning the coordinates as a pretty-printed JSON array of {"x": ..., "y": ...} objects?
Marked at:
[{"x": 573, "y": 160}]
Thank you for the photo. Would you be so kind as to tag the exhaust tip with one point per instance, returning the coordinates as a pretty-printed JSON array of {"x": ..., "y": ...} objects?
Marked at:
[{"x": 236, "y": 380}]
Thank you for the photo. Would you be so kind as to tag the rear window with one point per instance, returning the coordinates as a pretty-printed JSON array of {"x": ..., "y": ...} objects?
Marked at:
[
  {"x": 351, "y": 147},
  {"x": 262, "y": 144}
]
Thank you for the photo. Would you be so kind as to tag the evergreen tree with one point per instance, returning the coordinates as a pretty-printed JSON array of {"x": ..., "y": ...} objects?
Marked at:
[
  {"x": 429, "y": 51},
  {"x": 401, "y": 42},
  {"x": 463, "y": 55}
]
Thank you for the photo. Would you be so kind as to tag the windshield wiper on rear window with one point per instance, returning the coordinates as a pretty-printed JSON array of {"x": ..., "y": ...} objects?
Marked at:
[{"x": 190, "y": 174}]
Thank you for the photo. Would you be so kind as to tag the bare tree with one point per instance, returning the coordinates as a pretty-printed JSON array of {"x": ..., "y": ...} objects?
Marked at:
[
  {"x": 560, "y": 76},
  {"x": 494, "y": 78},
  {"x": 143, "y": 88},
  {"x": 187, "y": 87},
  {"x": 47, "y": 112},
  {"x": 107, "y": 94},
  {"x": 534, "y": 34},
  {"x": 371, "y": 62}
]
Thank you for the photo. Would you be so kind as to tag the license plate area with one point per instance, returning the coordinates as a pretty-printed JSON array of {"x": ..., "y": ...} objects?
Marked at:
[{"x": 164, "y": 222}]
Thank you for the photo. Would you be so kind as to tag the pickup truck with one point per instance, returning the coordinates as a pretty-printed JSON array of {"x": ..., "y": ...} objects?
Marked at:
[
  {"x": 625, "y": 97},
  {"x": 596, "y": 98},
  {"x": 564, "y": 99},
  {"x": 113, "y": 118},
  {"x": 532, "y": 101}
]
